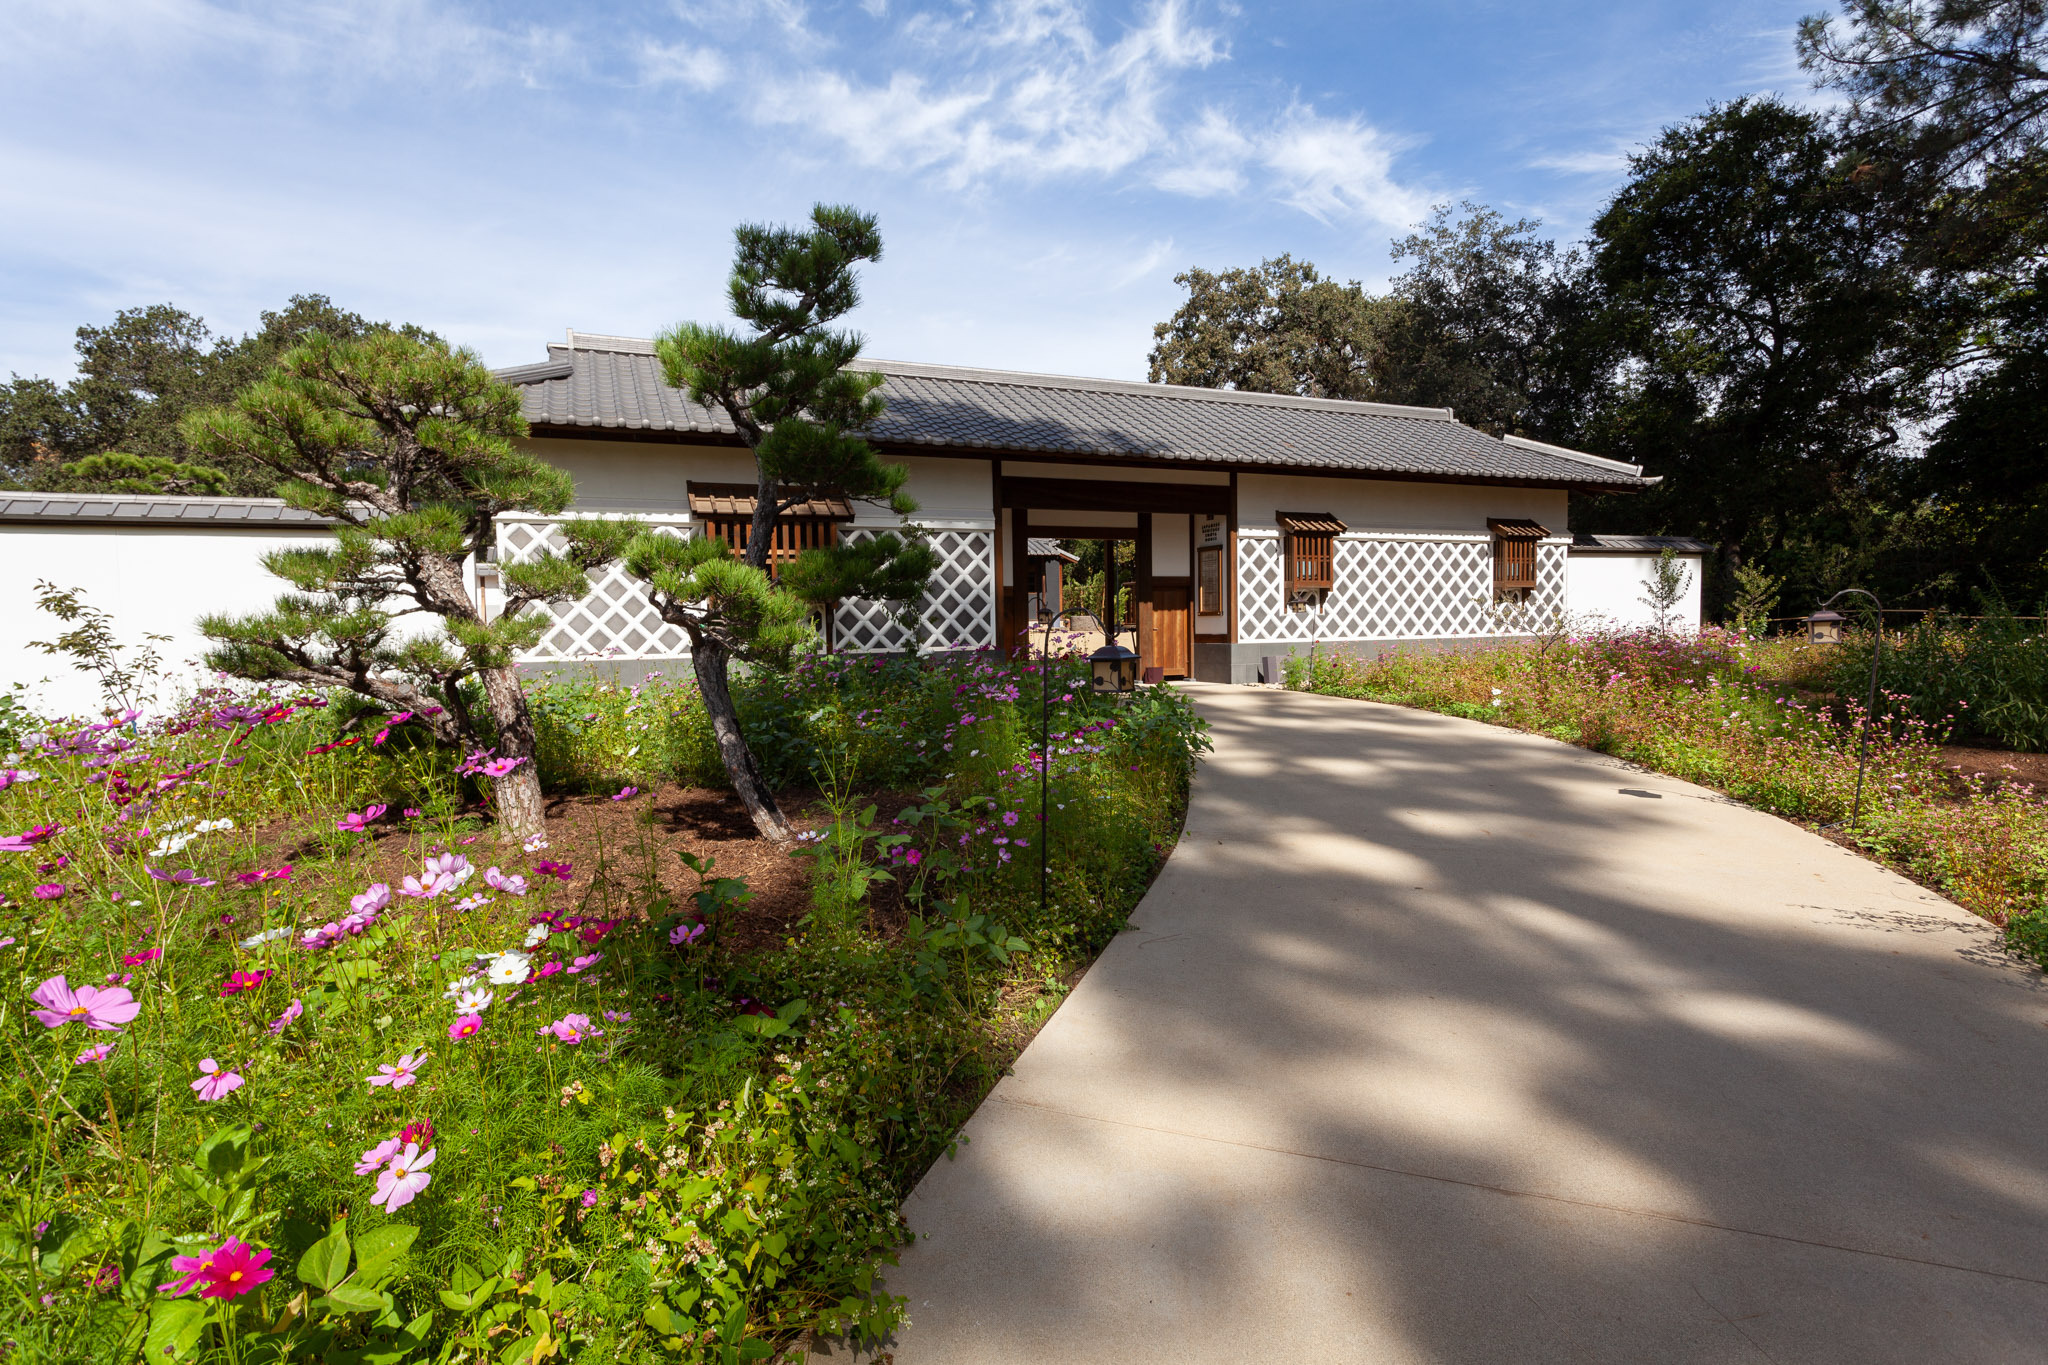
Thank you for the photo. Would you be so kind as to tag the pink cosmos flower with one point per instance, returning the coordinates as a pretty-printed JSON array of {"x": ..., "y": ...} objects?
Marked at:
[
  {"x": 355, "y": 822},
  {"x": 548, "y": 969},
  {"x": 476, "y": 902},
  {"x": 512, "y": 884},
  {"x": 184, "y": 876},
  {"x": 105, "y": 1008},
  {"x": 501, "y": 767},
  {"x": 426, "y": 888},
  {"x": 371, "y": 902},
  {"x": 448, "y": 865},
  {"x": 119, "y": 978},
  {"x": 401, "y": 1181},
  {"x": 284, "y": 1021},
  {"x": 146, "y": 955},
  {"x": 684, "y": 935},
  {"x": 50, "y": 891},
  {"x": 214, "y": 1083},
  {"x": 412, "y": 812},
  {"x": 379, "y": 1156},
  {"x": 584, "y": 964},
  {"x": 28, "y": 839},
  {"x": 10, "y": 776},
  {"x": 626, "y": 793},
  {"x": 99, "y": 1052},
  {"x": 465, "y": 1027},
  {"x": 190, "y": 1270},
  {"x": 400, "y": 1076},
  {"x": 618, "y": 1016},
  {"x": 589, "y": 1199},
  {"x": 573, "y": 1029}
]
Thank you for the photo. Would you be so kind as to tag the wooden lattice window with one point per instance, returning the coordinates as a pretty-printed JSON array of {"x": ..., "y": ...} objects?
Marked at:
[
  {"x": 1310, "y": 550},
  {"x": 1514, "y": 557},
  {"x": 727, "y": 512},
  {"x": 1209, "y": 581}
]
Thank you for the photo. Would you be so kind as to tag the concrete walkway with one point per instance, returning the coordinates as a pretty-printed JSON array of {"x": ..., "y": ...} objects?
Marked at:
[{"x": 1443, "y": 1043}]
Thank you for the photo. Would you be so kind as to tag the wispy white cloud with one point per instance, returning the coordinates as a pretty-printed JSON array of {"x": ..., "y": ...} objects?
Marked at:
[
  {"x": 687, "y": 64},
  {"x": 1339, "y": 168}
]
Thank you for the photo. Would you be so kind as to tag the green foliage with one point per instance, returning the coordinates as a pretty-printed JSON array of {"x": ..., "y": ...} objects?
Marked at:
[
  {"x": 1986, "y": 678},
  {"x": 139, "y": 377},
  {"x": 1279, "y": 328},
  {"x": 119, "y": 472},
  {"x": 408, "y": 444},
  {"x": 1669, "y": 579},
  {"x": 713, "y": 1171},
  {"x": 1756, "y": 598}
]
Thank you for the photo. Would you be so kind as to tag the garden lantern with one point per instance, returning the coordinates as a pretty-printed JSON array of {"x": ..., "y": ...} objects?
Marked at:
[
  {"x": 1825, "y": 627},
  {"x": 1115, "y": 668}
]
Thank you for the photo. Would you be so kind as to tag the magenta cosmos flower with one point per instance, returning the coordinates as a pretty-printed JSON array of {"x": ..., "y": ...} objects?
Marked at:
[
  {"x": 402, "y": 1180},
  {"x": 51, "y": 891},
  {"x": 214, "y": 1083},
  {"x": 501, "y": 767},
  {"x": 584, "y": 964},
  {"x": 98, "y": 1007},
  {"x": 228, "y": 1272},
  {"x": 465, "y": 1027},
  {"x": 28, "y": 839},
  {"x": 626, "y": 794},
  {"x": 400, "y": 1076},
  {"x": 184, "y": 876}
]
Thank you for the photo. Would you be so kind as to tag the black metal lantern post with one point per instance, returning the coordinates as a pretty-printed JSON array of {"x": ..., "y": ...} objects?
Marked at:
[
  {"x": 1113, "y": 670},
  {"x": 1825, "y": 627}
]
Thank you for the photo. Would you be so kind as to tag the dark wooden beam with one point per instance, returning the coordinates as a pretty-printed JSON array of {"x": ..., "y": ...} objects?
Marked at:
[{"x": 1107, "y": 495}]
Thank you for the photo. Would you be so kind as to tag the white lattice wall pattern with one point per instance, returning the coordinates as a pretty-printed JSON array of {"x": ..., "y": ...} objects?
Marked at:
[
  {"x": 1388, "y": 588},
  {"x": 616, "y": 621},
  {"x": 959, "y": 606}
]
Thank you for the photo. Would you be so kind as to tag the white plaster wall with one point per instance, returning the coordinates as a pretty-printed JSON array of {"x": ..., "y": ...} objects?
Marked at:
[
  {"x": 1386, "y": 505},
  {"x": 1170, "y": 545},
  {"x": 1607, "y": 589},
  {"x": 148, "y": 579}
]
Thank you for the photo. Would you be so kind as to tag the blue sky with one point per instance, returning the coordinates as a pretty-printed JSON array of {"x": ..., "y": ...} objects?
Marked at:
[{"x": 1042, "y": 168}]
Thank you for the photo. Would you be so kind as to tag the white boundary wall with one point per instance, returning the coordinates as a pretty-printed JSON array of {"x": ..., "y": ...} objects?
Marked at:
[
  {"x": 157, "y": 579},
  {"x": 1607, "y": 589}
]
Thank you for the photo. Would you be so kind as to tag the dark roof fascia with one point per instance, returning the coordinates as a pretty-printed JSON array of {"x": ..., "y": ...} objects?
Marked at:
[{"x": 985, "y": 453}]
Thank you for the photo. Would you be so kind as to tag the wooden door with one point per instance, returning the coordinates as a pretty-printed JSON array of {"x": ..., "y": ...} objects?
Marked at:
[{"x": 1171, "y": 636}]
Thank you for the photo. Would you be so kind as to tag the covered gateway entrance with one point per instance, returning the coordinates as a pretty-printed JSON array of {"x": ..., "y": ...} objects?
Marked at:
[{"x": 1180, "y": 534}]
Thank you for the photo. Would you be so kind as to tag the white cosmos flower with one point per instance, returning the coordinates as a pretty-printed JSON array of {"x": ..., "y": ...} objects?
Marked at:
[
  {"x": 267, "y": 936},
  {"x": 537, "y": 935},
  {"x": 473, "y": 1001},
  {"x": 510, "y": 969},
  {"x": 456, "y": 988},
  {"x": 209, "y": 826}
]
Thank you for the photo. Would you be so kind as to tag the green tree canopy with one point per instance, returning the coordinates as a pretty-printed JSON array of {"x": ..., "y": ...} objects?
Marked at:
[
  {"x": 788, "y": 385},
  {"x": 407, "y": 444},
  {"x": 139, "y": 376},
  {"x": 1277, "y": 328}
]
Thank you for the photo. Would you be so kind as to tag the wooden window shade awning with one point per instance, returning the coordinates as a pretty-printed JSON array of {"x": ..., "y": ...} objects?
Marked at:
[
  {"x": 1514, "y": 555},
  {"x": 737, "y": 500},
  {"x": 1310, "y": 550}
]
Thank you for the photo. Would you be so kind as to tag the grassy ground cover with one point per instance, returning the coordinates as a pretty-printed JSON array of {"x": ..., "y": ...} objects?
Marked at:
[
  {"x": 1745, "y": 716},
  {"x": 305, "y": 1065}
]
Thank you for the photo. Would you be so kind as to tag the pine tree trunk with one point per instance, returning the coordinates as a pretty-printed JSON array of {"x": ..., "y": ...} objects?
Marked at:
[
  {"x": 711, "y": 659},
  {"x": 517, "y": 794}
]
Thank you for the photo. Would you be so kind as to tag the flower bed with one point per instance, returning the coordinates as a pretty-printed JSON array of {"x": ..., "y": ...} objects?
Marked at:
[
  {"x": 1739, "y": 715},
  {"x": 306, "y": 1065}
]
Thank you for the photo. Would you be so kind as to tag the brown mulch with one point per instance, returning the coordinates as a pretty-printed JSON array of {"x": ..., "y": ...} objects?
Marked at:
[{"x": 1999, "y": 766}]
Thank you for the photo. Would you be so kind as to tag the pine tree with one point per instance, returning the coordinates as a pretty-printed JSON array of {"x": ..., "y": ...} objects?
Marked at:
[
  {"x": 406, "y": 443},
  {"x": 800, "y": 410}
]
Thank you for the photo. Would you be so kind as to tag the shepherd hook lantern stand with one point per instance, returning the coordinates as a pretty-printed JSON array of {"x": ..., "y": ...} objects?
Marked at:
[{"x": 1825, "y": 627}]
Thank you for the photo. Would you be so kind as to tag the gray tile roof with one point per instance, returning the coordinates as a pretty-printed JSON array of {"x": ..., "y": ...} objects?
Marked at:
[
  {"x": 615, "y": 383},
  {"x": 132, "y": 508},
  {"x": 1044, "y": 547}
]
